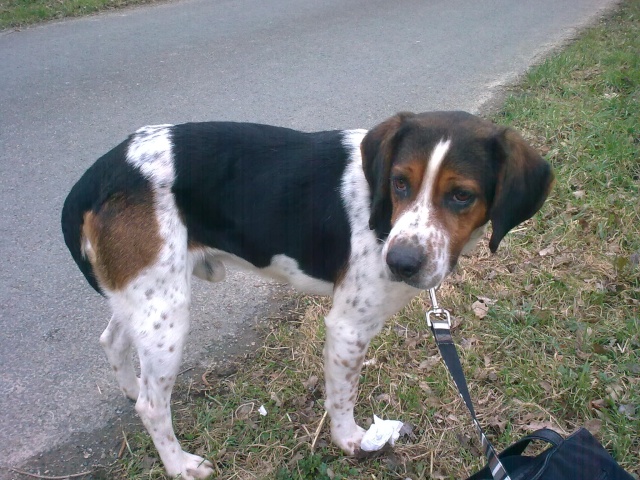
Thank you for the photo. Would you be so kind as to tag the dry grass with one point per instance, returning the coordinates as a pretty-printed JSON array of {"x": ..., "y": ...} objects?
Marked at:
[{"x": 559, "y": 346}]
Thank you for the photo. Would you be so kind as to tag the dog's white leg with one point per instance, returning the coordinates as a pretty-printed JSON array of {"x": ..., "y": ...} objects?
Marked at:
[
  {"x": 356, "y": 317},
  {"x": 160, "y": 324},
  {"x": 116, "y": 342},
  {"x": 344, "y": 350}
]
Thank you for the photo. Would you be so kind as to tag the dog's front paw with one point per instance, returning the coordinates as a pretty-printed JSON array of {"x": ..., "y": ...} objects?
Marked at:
[
  {"x": 192, "y": 467},
  {"x": 348, "y": 440}
]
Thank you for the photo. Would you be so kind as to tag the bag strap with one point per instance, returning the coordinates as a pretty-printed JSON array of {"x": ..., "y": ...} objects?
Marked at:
[
  {"x": 440, "y": 322},
  {"x": 544, "y": 434}
]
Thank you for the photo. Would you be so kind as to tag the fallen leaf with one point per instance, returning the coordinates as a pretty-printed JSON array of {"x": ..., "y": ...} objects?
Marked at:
[
  {"x": 579, "y": 193},
  {"x": 466, "y": 443},
  {"x": 633, "y": 367},
  {"x": 535, "y": 425},
  {"x": 599, "y": 349},
  {"x": 628, "y": 411},
  {"x": 311, "y": 383},
  {"x": 275, "y": 399},
  {"x": 546, "y": 251},
  {"x": 561, "y": 260},
  {"x": 243, "y": 411},
  {"x": 383, "y": 397},
  {"x": 597, "y": 404},
  {"x": 469, "y": 342},
  {"x": 480, "y": 309},
  {"x": 407, "y": 430},
  {"x": 424, "y": 386},
  {"x": 487, "y": 300},
  {"x": 546, "y": 386},
  {"x": 593, "y": 425},
  {"x": 497, "y": 423},
  {"x": 429, "y": 363}
]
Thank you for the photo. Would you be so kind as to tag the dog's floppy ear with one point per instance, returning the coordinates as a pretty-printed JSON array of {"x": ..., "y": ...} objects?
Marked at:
[
  {"x": 377, "y": 148},
  {"x": 524, "y": 182}
]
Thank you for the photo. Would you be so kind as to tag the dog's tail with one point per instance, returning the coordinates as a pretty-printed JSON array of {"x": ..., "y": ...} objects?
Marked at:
[
  {"x": 88, "y": 194},
  {"x": 79, "y": 201}
]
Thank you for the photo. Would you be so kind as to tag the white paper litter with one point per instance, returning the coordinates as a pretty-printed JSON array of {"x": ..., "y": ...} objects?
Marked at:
[
  {"x": 262, "y": 410},
  {"x": 380, "y": 432}
]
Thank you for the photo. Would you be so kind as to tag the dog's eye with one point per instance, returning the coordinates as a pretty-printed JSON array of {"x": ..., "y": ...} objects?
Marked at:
[
  {"x": 462, "y": 198},
  {"x": 400, "y": 185}
]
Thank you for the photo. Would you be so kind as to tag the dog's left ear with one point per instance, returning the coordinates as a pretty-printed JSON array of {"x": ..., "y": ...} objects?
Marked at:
[
  {"x": 377, "y": 148},
  {"x": 524, "y": 182}
]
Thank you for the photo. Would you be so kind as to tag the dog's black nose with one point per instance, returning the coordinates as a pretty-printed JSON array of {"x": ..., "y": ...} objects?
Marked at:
[{"x": 404, "y": 260}]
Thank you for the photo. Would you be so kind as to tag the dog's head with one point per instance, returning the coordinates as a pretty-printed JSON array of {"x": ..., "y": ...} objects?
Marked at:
[{"x": 436, "y": 179}]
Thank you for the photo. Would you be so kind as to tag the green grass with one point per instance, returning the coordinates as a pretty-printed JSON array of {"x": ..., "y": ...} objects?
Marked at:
[
  {"x": 560, "y": 346},
  {"x": 20, "y": 13}
]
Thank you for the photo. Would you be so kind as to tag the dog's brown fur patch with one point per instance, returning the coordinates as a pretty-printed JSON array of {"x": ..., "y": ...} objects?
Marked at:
[{"x": 124, "y": 238}]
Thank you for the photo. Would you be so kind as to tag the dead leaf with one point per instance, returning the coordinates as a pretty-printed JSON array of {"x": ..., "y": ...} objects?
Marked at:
[
  {"x": 599, "y": 349},
  {"x": 311, "y": 383},
  {"x": 487, "y": 300},
  {"x": 480, "y": 309},
  {"x": 429, "y": 363},
  {"x": 593, "y": 425},
  {"x": 466, "y": 443},
  {"x": 561, "y": 260},
  {"x": 579, "y": 193},
  {"x": 628, "y": 411},
  {"x": 497, "y": 423},
  {"x": 546, "y": 251},
  {"x": 383, "y": 397},
  {"x": 535, "y": 425},
  {"x": 424, "y": 386},
  {"x": 597, "y": 404},
  {"x": 469, "y": 342},
  {"x": 407, "y": 430},
  {"x": 633, "y": 367},
  {"x": 243, "y": 411},
  {"x": 546, "y": 386},
  {"x": 275, "y": 399}
]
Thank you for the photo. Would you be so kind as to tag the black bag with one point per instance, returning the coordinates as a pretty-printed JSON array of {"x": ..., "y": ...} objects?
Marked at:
[{"x": 579, "y": 457}]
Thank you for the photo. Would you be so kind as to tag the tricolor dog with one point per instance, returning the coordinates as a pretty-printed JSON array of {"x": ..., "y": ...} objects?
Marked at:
[{"x": 371, "y": 218}]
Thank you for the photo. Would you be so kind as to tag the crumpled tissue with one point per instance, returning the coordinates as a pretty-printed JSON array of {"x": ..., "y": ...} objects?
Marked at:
[{"x": 380, "y": 432}]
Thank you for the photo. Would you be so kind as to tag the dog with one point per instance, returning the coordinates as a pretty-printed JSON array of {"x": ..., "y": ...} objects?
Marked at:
[{"x": 369, "y": 217}]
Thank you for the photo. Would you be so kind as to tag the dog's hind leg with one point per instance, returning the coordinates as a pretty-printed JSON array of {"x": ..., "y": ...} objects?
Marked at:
[
  {"x": 158, "y": 307},
  {"x": 116, "y": 342}
]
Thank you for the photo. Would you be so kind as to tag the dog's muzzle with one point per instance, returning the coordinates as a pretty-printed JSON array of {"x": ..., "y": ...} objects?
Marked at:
[{"x": 405, "y": 261}]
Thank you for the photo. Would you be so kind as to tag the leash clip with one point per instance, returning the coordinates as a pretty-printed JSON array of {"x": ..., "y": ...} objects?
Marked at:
[{"x": 438, "y": 318}]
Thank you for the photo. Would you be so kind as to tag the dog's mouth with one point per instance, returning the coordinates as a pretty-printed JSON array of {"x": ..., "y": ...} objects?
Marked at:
[{"x": 419, "y": 281}]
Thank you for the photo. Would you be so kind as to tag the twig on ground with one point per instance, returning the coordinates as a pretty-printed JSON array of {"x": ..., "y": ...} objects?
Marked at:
[
  {"x": 317, "y": 434},
  {"x": 46, "y": 477}
]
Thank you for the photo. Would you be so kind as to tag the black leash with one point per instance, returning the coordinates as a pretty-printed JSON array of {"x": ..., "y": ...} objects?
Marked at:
[{"x": 439, "y": 320}]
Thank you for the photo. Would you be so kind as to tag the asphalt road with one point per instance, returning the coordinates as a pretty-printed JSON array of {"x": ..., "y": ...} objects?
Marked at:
[{"x": 71, "y": 90}]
